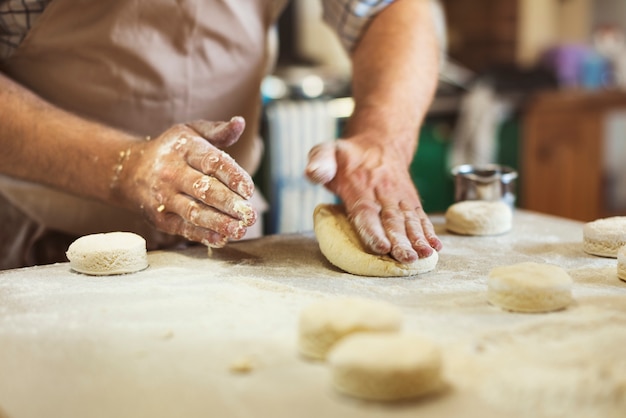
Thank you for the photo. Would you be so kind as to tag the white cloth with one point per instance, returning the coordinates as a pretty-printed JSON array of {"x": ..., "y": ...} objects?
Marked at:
[{"x": 476, "y": 130}]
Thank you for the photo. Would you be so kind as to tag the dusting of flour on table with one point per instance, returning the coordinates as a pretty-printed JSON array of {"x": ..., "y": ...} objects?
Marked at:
[
  {"x": 164, "y": 340},
  {"x": 554, "y": 368}
]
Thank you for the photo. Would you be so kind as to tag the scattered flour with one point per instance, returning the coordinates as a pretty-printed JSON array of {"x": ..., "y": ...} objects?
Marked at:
[{"x": 561, "y": 367}]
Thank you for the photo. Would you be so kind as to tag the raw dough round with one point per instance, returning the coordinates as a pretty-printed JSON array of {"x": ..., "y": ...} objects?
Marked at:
[
  {"x": 108, "y": 253},
  {"x": 529, "y": 287},
  {"x": 621, "y": 263},
  {"x": 385, "y": 367},
  {"x": 342, "y": 247},
  {"x": 604, "y": 236},
  {"x": 479, "y": 217},
  {"x": 325, "y": 322}
]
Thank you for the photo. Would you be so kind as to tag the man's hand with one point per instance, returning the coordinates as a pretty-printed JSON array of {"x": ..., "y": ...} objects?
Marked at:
[
  {"x": 185, "y": 185},
  {"x": 394, "y": 77},
  {"x": 376, "y": 188}
]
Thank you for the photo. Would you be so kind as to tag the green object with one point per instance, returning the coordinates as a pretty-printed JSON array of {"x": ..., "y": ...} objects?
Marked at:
[{"x": 429, "y": 169}]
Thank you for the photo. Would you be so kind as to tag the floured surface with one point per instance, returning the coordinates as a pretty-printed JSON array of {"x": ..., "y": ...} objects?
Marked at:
[
  {"x": 162, "y": 342},
  {"x": 562, "y": 366}
]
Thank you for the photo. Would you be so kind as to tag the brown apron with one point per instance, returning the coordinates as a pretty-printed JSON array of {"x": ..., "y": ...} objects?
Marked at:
[{"x": 141, "y": 66}]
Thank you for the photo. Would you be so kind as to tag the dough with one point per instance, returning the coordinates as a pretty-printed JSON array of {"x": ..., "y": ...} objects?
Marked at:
[
  {"x": 529, "y": 287},
  {"x": 325, "y": 322},
  {"x": 242, "y": 365},
  {"x": 107, "y": 254},
  {"x": 342, "y": 247},
  {"x": 385, "y": 367},
  {"x": 604, "y": 236},
  {"x": 621, "y": 263},
  {"x": 479, "y": 217}
]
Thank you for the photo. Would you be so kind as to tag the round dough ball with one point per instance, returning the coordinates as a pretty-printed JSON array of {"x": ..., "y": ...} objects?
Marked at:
[
  {"x": 107, "y": 254},
  {"x": 325, "y": 322},
  {"x": 621, "y": 263},
  {"x": 342, "y": 247},
  {"x": 604, "y": 236},
  {"x": 385, "y": 367},
  {"x": 479, "y": 217},
  {"x": 529, "y": 287}
]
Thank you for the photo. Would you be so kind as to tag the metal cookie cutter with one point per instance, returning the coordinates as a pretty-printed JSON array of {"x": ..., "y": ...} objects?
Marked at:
[{"x": 484, "y": 182}]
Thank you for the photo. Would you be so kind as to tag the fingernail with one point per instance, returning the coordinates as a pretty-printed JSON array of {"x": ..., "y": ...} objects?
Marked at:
[
  {"x": 237, "y": 230},
  {"x": 404, "y": 255},
  {"x": 425, "y": 252},
  {"x": 245, "y": 190}
]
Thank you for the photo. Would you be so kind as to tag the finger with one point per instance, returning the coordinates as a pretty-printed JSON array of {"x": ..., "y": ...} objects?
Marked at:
[
  {"x": 420, "y": 230},
  {"x": 211, "y": 191},
  {"x": 223, "y": 167},
  {"x": 220, "y": 134},
  {"x": 322, "y": 164},
  {"x": 365, "y": 217},
  {"x": 204, "y": 217},
  {"x": 179, "y": 226},
  {"x": 429, "y": 234},
  {"x": 394, "y": 223},
  {"x": 416, "y": 235}
]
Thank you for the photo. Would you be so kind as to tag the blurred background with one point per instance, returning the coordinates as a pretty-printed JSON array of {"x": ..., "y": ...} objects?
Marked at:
[{"x": 536, "y": 85}]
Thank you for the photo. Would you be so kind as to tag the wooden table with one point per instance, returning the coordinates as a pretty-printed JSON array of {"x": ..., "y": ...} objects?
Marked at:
[{"x": 164, "y": 342}]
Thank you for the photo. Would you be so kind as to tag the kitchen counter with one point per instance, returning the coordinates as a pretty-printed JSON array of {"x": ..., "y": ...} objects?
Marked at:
[{"x": 215, "y": 336}]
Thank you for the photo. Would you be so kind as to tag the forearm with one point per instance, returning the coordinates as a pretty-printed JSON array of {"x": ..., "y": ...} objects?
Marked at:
[
  {"x": 180, "y": 181},
  {"x": 44, "y": 144},
  {"x": 395, "y": 68}
]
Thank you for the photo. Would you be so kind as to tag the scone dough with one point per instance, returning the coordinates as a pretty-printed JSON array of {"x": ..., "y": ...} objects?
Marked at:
[
  {"x": 385, "y": 367},
  {"x": 529, "y": 287},
  {"x": 621, "y": 263},
  {"x": 604, "y": 236},
  {"x": 108, "y": 253},
  {"x": 342, "y": 247},
  {"x": 479, "y": 217},
  {"x": 325, "y": 322}
]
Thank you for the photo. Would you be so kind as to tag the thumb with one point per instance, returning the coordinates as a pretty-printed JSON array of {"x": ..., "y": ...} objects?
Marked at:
[
  {"x": 322, "y": 165},
  {"x": 220, "y": 134}
]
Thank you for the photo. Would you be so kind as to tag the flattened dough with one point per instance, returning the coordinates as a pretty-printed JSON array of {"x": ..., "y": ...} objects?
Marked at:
[
  {"x": 604, "y": 236},
  {"x": 107, "y": 254},
  {"x": 529, "y": 287},
  {"x": 342, "y": 247},
  {"x": 327, "y": 321},
  {"x": 621, "y": 263},
  {"x": 385, "y": 367},
  {"x": 479, "y": 217}
]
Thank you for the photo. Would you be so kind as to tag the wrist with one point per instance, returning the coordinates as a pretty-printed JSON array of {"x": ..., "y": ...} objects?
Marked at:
[
  {"x": 121, "y": 174},
  {"x": 392, "y": 132}
]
